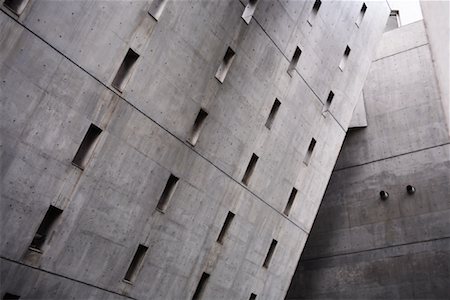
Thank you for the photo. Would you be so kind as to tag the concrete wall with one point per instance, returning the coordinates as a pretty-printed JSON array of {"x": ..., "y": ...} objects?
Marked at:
[
  {"x": 436, "y": 16},
  {"x": 57, "y": 62},
  {"x": 361, "y": 246}
]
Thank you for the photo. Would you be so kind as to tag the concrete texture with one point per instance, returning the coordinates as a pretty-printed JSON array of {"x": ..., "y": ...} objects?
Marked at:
[
  {"x": 57, "y": 62},
  {"x": 362, "y": 246}
]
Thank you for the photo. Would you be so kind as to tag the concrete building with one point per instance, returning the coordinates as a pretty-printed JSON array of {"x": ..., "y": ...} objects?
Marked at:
[
  {"x": 171, "y": 149},
  {"x": 365, "y": 244}
]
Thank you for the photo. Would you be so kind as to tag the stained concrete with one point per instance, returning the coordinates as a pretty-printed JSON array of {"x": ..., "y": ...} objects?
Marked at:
[{"x": 362, "y": 246}]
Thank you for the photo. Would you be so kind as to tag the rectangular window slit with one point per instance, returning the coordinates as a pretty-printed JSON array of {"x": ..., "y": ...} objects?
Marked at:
[
  {"x": 157, "y": 8},
  {"x": 311, "y": 146},
  {"x": 225, "y": 227},
  {"x": 136, "y": 263},
  {"x": 225, "y": 65},
  {"x": 16, "y": 6},
  {"x": 9, "y": 296},
  {"x": 270, "y": 253},
  {"x": 290, "y": 201},
  {"x": 86, "y": 147},
  {"x": 249, "y": 171},
  {"x": 316, "y": 6},
  {"x": 294, "y": 61},
  {"x": 201, "y": 286},
  {"x": 169, "y": 189},
  {"x": 252, "y": 297},
  {"x": 344, "y": 58},
  {"x": 198, "y": 124},
  {"x": 124, "y": 72},
  {"x": 249, "y": 11},
  {"x": 362, "y": 12},
  {"x": 45, "y": 227},
  {"x": 273, "y": 113},
  {"x": 329, "y": 100}
]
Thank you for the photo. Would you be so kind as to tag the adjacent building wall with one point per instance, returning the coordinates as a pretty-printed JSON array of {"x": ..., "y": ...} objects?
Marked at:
[
  {"x": 362, "y": 246},
  {"x": 58, "y": 66}
]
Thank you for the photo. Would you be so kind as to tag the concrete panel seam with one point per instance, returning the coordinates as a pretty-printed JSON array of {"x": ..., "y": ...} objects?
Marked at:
[
  {"x": 390, "y": 157},
  {"x": 65, "y": 277},
  {"x": 159, "y": 125},
  {"x": 400, "y": 52}
]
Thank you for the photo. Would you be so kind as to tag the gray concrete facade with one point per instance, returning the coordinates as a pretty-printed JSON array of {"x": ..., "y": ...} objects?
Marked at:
[
  {"x": 364, "y": 247},
  {"x": 140, "y": 72}
]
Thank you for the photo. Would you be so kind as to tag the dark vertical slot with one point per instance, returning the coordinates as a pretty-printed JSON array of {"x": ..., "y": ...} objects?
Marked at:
[
  {"x": 311, "y": 146},
  {"x": 290, "y": 201},
  {"x": 225, "y": 65},
  {"x": 169, "y": 189},
  {"x": 249, "y": 11},
  {"x": 362, "y": 12},
  {"x": 45, "y": 227},
  {"x": 252, "y": 297},
  {"x": 198, "y": 124},
  {"x": 136, "y": 263},
  {"x": 225, "y": 227},
  {"x": 294, "y": 61},
  {"x": 344, "y": 58},
  {"x": 201, "y": 286},
  {"x": 316, "y": 6},
  {"x": 249, "y": 171},
  {"x": 270, "y": 253},
  {"x": 329, "y": 100},
  {"x": 273, "y": 113},
  {"x": 124, "y": 71},
  {"x": 86, "y": 146},
  {"x": 16, "y": 6}
]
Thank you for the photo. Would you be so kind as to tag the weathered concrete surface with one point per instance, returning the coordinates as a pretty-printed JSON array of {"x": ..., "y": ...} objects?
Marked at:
[
  {"x": 361, "y": 246},
  {"x": 57, "y": 62},
  {"x": 437, "y": 24}
]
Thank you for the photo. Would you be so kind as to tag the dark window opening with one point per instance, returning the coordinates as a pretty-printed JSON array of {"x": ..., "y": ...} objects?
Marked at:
[
  {"x": 250, "y": 168},
  {"x": 169, "y": 189},
  {"x": 225, "y": 227},
  {"x": 270, "y": 253},
  {"x": 294, "y": 61},
  {"x": 86, "y": 146},
  {"x": 124, "y": 72},
  {"x": 329, "y": 100},
  {"x": 249, "y": 11},
  {"x": 9, "y": 296},
  {"x": 316, "y": 6},
  {"x": 45, "y": 227},
  {"x": 225, "y": 65},
  {"x": 198, "y": 124},
  {"x": 273, "y": 113},
  {"x": 16, "y": 6},
  {"x": 157, "y": 8},
  {"x": 362, "y": 12},
  {"x": 252, "y": 297},
  {"x": 290, "y": 201},
  {"x": 344, "y": 58},
  {"x": 201, "y": 286},
  {"x": 311, "y": 146},
  {"x": 136, "y": 263}
]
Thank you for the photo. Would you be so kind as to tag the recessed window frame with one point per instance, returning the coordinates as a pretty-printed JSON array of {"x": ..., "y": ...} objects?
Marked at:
[
  {"x": 87, "y": 146},
  {"x": 294, "y": 61},
  {"x": 13, "y": 7},
  {"x": 344, "y": 59},
  {"x": 270, "y": 253},
  {"x": 201, "y": 285},
  {"x": 45, "y": 229},
  {"x": 156, "y": 8},
  {"x": 167, "y": 193},
  {"x": 225, "y": 65},
  {"x": 197, "y": 127},
  {"x": 273, "y": 113},
  {"x": 361, "y": 14},
  {"x": 125, "y": 70},
  {"x": 290, "y": 202},
  {"x": 250, "y": 169},
  {"x": 136, "y": 264},
  {"x": 249, "y": 11},
  {"x": 310, "y": 151},
  {"x": 225, "y": 227}
]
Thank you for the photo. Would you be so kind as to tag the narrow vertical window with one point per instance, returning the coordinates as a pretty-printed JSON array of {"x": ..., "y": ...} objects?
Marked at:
[
  {"x": 135, "y": 264},
  {"x": 86, "y": 147},
  {"x": 45, "y": 227},
  {"x": 362, "y": 12},
  {"x": 290, "y": 201},
  {"x": 312, "y": 144},
  {"x": 252, "y": 297},
  {"x": 169, "y": 189},
  {"x": 157, "y": 8},
  {"x": 273, "y": 113},
  {"x": 249, "y": 171},
  {"x": 329, "y": 100},
  {"x": 124, "y": 72},
  {"x": 344, "y": 58},
  {"x": 198, "y": 124},
  {"x": 270, "y": 253},
  {"x": 225, "y": 227},
  {"x": 316, "y": 7},
  {"x": 294, "y": 61},
  {"x": 249, "y": 11},
  {"x": 16, "y": 6},
  {"x": 225, "y": 65},
  {"x": 200, "y": 286}
]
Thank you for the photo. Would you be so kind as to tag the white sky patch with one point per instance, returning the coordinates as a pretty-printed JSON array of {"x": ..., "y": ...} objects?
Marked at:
[{"x": 409, "y": 10}]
